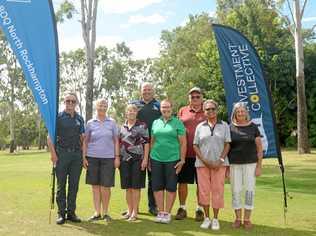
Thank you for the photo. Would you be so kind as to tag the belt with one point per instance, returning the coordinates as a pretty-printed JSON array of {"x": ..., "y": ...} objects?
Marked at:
[{"x": 67, "y": 149}]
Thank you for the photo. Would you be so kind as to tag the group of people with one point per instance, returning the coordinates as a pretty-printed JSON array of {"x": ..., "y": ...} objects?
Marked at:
[{"x": 194, "y": 147}]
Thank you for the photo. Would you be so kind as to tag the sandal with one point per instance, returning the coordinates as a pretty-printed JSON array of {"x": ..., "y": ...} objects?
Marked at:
[
  {"x": 236, "y": 224},
  {"x": 247, "y": 224},
  {"x": 132, "y": 218}
]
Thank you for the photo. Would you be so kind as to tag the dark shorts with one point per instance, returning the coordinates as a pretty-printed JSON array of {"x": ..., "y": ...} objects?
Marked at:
[
  {"x": 188, "y": 174},
  {"x": 163, "y": 176},
  {"x": 101, "y": 171},
  {"x": 131, "y": 174}
]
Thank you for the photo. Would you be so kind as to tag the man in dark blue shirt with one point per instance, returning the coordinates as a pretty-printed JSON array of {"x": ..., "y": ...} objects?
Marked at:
[{"x": 66, "y": 155}]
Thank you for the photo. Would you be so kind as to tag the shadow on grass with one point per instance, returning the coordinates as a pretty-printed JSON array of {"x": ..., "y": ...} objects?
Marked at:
[
  {"x": 25, "y": 153},
  {"x": 179, "y": 228}
]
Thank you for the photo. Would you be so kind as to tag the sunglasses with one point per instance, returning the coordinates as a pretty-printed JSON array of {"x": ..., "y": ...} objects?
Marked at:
[
  {"x": 195, "y": 97},
  {"x": 210, "y": 109},
  {"x": 71, "y": 101}
]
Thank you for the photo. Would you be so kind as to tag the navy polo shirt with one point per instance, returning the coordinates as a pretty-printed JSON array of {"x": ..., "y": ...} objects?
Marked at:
[
  {"x": 69, "y": 130},
  {"x": 148, "y": 112}
]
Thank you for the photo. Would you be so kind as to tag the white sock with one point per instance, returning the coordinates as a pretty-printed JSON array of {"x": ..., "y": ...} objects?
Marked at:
[{"x": 183, "y": 207}]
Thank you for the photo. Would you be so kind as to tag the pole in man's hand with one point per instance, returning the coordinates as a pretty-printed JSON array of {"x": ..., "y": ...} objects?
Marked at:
[{"x": 52, "y": 196}]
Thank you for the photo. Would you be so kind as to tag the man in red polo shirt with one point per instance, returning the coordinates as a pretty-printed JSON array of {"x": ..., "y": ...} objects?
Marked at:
[{"x": 191, "y": 115}]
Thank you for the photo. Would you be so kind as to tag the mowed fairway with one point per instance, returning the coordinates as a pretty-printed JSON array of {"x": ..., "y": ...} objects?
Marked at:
[{"x": 25, "y": 194}]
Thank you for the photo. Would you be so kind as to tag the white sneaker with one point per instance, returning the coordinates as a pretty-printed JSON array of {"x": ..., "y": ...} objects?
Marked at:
[
  {"x": 159, "y": 217},
  {"x": 166, "y": 219},
  {"x": 215, "y": 224},
  {"x": 206, "y": 223}
]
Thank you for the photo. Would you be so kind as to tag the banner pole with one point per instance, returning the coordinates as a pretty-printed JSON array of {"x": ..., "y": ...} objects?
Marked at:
[{"x": 53, "y": 181}]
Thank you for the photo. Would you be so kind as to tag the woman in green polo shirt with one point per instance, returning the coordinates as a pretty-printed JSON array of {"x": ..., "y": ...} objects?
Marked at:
[{"x": 168, "y": 149}]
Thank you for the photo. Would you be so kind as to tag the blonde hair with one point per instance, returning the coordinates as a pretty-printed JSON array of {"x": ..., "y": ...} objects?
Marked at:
[
  {"x": 131, "y": 106},
  {"x": 166, "y": 100},
  {"x": 234, "y": 111},
  {"x": 100, "y": 101}
]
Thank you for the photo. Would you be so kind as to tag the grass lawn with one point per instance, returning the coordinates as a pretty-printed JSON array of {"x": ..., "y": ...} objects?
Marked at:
[{"x": 25, "y": 191}]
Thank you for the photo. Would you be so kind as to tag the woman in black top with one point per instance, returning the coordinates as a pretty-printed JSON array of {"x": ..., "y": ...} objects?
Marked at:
[{"x": 245, "y": 158}]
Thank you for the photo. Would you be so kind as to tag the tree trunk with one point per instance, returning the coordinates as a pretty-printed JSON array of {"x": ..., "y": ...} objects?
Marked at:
[
  {"x": 88, "y": 24},
  {"x": 39, "y": 131},
  {"x": 11, "y": 110},
  {"x": 302, "y": 130}
]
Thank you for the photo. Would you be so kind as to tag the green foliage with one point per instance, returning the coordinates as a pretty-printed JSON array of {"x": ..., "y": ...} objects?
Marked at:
[
  {"x": 310, "y": 76},
  {"x": 189, "y": 58},
  {"x": 66, "y": 10}
]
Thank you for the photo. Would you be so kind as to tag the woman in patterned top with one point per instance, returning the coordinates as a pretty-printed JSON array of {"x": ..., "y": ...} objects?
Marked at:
[{"x": 134, "y": 148}]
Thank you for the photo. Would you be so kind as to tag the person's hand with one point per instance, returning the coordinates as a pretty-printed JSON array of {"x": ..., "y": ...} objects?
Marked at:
[
  {"x": 149, "y": 165},
  {"x": 216, "y": 164},
  {"x": 178, "y": 166},
  {"x": 85, "y": 162},
  {"x": 206, "y": 163},
  {"x": 258, "y": 171},
  {"x": 227, "y": 173},
  {"x": 144, "y": 164},
  {"x": 53, "y": 158},
  {"x": 117, "y": 162}
]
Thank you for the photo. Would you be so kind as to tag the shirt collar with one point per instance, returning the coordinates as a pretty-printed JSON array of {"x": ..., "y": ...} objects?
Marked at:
[
  {"x": 171, "y": 118},
  {"x": 126, "y": 125},
  {"x": 64, "y": 113},
  {"x": 218, "y": 122},
  {"x": 96, "y": 119},
  {"x": 192, "y": 110},
  {"x": 152, "y": 101}
]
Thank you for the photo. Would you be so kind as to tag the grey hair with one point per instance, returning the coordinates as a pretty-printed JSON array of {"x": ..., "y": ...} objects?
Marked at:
[
  {"x": 235, "y": 107},
  {"x": 70, "y": 93},
  {"x": 210, "y": 101}
]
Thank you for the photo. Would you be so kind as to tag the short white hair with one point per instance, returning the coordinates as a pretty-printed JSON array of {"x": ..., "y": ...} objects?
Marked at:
[{"x": 147, "y": 84}]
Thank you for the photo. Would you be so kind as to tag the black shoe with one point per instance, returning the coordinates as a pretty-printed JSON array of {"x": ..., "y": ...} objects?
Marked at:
[
  {"x": 95, "y": 218},
  {"x": 153, "y": 211},
  {"x": 107, "y": 218},
  {"x": 124, "y": 213},
  {"x": 73, "y": 218},
  {"x": 181, "y": 214},
  {"x": 60, "y": 219}
]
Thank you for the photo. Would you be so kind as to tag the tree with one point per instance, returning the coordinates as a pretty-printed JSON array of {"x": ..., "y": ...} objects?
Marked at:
[
  {"x": 88, "y": 24},
  {"x": 179, "y": 67},
  {"x": 73, "y": 70},
  {"x": 8, "y": 83},
  {"x": 302, "y": 130}
]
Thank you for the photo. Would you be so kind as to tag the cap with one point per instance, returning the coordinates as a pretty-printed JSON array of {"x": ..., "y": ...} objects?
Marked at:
[{"x": 195, "y": 89}]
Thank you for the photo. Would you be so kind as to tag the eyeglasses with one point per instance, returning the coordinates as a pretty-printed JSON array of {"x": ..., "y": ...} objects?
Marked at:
[
  {"x": 71, "y": 101},
  {"x": 195, "y": 97},
  {"x": 210, "y": 109}
]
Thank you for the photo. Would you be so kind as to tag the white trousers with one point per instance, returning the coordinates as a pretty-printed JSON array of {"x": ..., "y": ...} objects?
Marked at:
[{"x": 242, "y": 182}]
